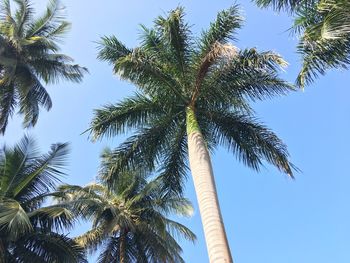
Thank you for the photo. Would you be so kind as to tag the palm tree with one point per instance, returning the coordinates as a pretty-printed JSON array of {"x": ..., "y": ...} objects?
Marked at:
[
  {"x": 130, "y": 221},
  {"x": 28, "y": 57},
  {"x": 192, "y": 93},
  {"x": 30, "y": 231},
  {"x": 324, "y": 27}
]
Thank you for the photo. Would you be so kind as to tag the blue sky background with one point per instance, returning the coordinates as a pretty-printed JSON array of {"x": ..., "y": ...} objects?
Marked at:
[{"x": 269, "y": 218}]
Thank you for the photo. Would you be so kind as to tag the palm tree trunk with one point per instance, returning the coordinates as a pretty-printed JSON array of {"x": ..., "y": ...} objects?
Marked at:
[
  {"x": 122, "y": 240},
  {"x": 203, "y": 178}
]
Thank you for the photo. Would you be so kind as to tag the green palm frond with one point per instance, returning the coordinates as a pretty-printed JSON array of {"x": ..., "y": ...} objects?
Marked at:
[
  {"x": 289, "y": 5},
  {"x": 92, "y": 239},
  {"x": 325, "y": 41},
  {"x": 251, "y": 141},
  {"x": 50, "y": 25},
  {"x": 320, "y": 56},
  {"x": 48, "y": 247},
  {"x": 8, "y": 103},
  {"x": 14, "y": 221},
  {"x": 178, "y": 230},
  {"x": 23, "y": 15},
  {"x": 55, "y": 218},
  {"x": 174, "y": 33},
  {"x": 173, "y": 172},
  {"x": 111, "y": 49},
  {"x": 110, "y": 251},
  {"x": 150, "y": 76},
  {"x": 129, "y": 114},
  {"x": 145, "y": 149},
  {"x": 221, "y": 30},
  {"x": 336, "y": 24},
  {"x": 43, "y": 173}
]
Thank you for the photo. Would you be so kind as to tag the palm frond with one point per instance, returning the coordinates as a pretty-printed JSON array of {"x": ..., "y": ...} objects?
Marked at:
[
  {"x": 14, "y": 162},
  {"x": 92, "y": 239},
  {"x": 220, "y": 31},
  {"x": 250, "y": 74},
  {"x": 288, "y": 5},
  {"x": 23, "y": 15},
  {"x": 173, "y": 168},
  {"x": 110, "y": 251},
  {"x": 51, "y": 247},
  {"x": 13, "y": 219},
  {"x": 174, "y": 33},
  {"x": 52, "y": 218},
  {"x": 320, "y": 56},
  {"x": 42, "y": 175},
  {"x": 54, "y": 67},
  {"x": 144, "y": 149},
  {"x": 180, "y": 231},
  {"x": 8, "y": 103},
  {"x": 112, "y": 120},
  {"x": 144, "y": 71},
  {"x": 251, "y": 141},
  {"x": 51, "y": 25},
  {"x": 111, "y": 49},
  {"x": 5, "y": 9}
]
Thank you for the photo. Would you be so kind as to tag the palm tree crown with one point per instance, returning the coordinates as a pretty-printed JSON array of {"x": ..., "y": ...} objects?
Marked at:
[
  {"x": 324, "y": 26},
  {"x": 129, "y": 219},
  {"x": 30, "y": 231},
  {"x": 178, "y": 75},
  {"x": 29, "y": 55}
]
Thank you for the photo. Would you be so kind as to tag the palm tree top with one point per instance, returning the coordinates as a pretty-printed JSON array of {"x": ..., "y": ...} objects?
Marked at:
[
  {"x": 29, "y": 230},
  {"x": 30, "y": 56},
  {"x": 133, "y": 214},
  {"x": 171, "y": 62},
  {"x": 177, "y": 73}
]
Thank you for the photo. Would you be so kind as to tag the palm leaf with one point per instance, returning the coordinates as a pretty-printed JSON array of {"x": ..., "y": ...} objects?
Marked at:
[{"x": 13, "y": 219}]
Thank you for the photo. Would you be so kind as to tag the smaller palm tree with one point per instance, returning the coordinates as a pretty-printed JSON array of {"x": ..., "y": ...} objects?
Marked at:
[
  {"x": 130, "y": 222},
  {"x": 324, "y": 27},
  {"x": 30, "y": 231},
  {"x": 29, "y": 56}
]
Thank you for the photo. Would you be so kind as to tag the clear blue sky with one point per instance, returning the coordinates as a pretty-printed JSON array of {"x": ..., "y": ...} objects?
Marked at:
[{"x": 269, "y": 218}]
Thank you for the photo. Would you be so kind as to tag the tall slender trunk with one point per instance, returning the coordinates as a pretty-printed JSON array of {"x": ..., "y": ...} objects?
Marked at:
[
  {"x": 122, "y": 241},
  {"x": 203, "y": 178}
]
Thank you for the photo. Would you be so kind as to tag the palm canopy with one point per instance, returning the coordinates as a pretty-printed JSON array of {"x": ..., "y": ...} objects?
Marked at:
[
  {"x": 129, "y": 220},
  {"x": 178, "y": 76},
  {"x": 30, "y": 231},
  {"x": 288, "y": 5},
  {"x": 324, "y": 26},
  {"x": 29, "y": 56}
]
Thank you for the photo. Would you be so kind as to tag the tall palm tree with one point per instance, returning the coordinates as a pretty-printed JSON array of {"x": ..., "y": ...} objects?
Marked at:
[
  {"x": 130, "y": 221},
  {"x": 192, "y": 93},
  {"x": 29, "y": 56},
  {"x": 30, "y": 231},
  {"x": 324, "y": 27}
]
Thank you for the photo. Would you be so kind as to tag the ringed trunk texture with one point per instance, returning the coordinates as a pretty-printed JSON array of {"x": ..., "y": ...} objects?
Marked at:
[{"x": 203, "y": 178}]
